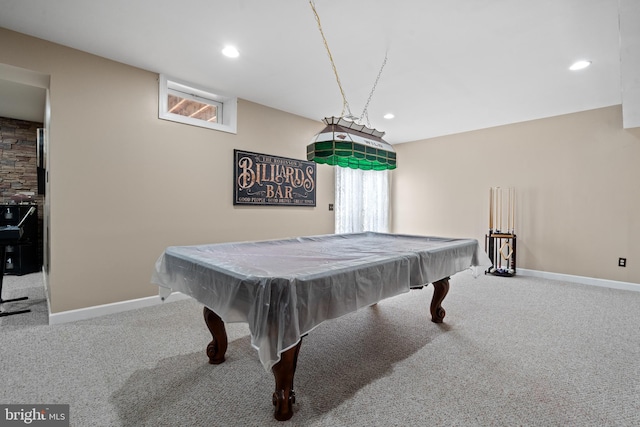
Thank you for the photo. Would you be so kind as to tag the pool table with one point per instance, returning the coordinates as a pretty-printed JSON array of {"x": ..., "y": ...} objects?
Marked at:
[{"x": 285, "y": 288}]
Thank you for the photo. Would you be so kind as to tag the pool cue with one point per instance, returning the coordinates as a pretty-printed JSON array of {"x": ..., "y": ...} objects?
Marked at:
[{"x": 490, "y": 209}]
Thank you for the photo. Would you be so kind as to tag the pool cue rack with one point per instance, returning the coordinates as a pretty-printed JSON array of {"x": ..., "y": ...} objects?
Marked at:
[{"x": 500, "y": 242}]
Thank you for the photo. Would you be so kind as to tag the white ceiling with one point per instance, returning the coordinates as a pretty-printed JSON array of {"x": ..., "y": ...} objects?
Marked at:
[{"x": 453, "y": 66}]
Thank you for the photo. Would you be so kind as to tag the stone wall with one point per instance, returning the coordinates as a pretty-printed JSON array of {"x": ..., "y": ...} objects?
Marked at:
[{"x": 17, "y": 157}]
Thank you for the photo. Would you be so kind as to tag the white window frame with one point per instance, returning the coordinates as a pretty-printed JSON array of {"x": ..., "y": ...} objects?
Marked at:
[{"x": 227, "y": 106}]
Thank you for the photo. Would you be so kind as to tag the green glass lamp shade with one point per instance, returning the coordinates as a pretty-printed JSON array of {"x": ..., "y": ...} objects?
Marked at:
[{"x": 347, "y": 144}]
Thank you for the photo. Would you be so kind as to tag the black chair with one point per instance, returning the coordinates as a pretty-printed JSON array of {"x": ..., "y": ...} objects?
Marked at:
[{"x": 10, "y": 235}]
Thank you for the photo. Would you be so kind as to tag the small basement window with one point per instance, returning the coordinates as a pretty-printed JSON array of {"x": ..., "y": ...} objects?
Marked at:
[{"x": 198, "y": 106}]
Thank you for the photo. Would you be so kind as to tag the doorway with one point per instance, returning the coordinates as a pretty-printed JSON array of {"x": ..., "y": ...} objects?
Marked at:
[{"x": 24, "y": 121}]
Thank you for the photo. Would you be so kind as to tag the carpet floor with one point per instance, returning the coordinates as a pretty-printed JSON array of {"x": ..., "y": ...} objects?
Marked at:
[{"x": 516, "y": 351}]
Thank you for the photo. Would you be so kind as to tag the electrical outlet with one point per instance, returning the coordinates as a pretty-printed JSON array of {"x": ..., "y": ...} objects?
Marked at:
[{"x": 622, "y": 262}]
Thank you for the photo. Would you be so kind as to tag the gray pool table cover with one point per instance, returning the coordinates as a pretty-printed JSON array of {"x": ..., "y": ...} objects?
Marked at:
[{"x": 285, "y": 288}]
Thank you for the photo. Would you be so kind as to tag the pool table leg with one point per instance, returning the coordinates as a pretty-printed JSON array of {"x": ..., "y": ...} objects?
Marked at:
[
  {"x": 284, "y": 397},
  {"x": 441, "y": 288},
  {"x": 218, "y": 346}
]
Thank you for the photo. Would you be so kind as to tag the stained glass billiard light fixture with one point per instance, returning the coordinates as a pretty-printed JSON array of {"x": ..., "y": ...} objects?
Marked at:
[
  {"x": 345, "y": 141},
  {"x": 348, "y": 144}
]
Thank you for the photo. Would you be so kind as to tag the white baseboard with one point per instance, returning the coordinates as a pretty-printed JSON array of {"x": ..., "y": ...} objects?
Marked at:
[
  {"x": 628, "y": 286},
  {"x": 116, "y": 307}
]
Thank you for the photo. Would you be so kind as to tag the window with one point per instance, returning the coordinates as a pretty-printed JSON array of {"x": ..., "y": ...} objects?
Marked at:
[
  {"x": 362, "y": 200},
  {"x": 193, "y": 105}
]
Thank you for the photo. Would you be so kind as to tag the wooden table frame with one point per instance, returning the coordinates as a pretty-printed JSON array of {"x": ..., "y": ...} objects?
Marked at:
[{"x": 284, "y": 395}]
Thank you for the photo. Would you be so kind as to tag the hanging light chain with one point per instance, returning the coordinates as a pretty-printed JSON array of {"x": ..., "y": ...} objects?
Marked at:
[
  {"x": 345, "y": 104},
  {"x": 365, "y": 113}
]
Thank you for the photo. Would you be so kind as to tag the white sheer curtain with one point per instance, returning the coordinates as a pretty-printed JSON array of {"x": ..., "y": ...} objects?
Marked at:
[{"x": 362, "y": 200}]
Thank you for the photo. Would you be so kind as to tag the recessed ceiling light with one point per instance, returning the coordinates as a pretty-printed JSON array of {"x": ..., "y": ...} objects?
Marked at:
[
  {"x": 230, "y": 52},
  {"x": 389, "y": 116},
  {"x": 579, "y": 65}
]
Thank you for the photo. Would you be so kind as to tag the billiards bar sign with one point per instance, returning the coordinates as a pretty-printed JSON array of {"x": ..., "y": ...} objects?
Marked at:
[{"x": 266, "y": 180}]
